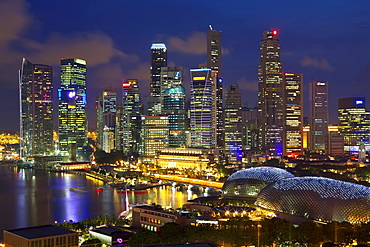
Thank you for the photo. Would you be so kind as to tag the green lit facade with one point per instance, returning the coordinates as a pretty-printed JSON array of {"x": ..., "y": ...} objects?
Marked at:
[
  {"x": 36, "y": 109},
  {"x": 72, "y": 107}
]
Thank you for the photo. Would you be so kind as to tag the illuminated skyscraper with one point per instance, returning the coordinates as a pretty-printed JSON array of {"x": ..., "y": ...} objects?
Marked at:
[
  {"x": 214, "y": 51},
  {"x": 214, "y": 62},
  {"x": 293, "y": 115},
  {"x": 233, "y": 124},
  {"x": 319, "y": 116},
  {"x": 72, "y": 107},
  {"x": 270, "y": 102},
  {"x": 154, "y": 135},
  {"x": 158, "y": 59},
  {"x": 129, "y": 119},
  {"x": 106, "y": 108},
  {"x": 173, "y": 104},
  {"x": 353, "y": 123},
  {"x": 36, "y": 108},
  {"x": 203, "y": 108}
]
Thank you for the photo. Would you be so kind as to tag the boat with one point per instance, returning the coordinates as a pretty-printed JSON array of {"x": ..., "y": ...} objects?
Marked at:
[
  {"x": 78, "y": 189},
  {"x": 99, "y": 189}
]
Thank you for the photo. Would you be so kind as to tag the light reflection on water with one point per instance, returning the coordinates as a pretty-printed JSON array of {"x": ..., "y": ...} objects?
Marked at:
[{"x": 31, "y": 197}]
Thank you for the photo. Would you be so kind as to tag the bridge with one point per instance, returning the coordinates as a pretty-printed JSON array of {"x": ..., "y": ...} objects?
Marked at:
[{"x": 191, "y": 181}]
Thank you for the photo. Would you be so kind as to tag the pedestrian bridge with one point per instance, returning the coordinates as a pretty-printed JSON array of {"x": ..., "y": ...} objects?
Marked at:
[{"x": 192, "y": 181}]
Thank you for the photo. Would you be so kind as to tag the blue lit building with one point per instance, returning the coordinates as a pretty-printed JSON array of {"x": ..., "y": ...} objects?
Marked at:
[
  {"x": 203, "y": 108},
  {"x": 72, "y": 107},
  {"x": 353, "y": 123},
  {"x": 174, "y": 108}
]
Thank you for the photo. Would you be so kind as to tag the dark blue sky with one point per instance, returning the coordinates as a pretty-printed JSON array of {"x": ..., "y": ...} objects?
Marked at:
[{"x": 324, "y": 40}]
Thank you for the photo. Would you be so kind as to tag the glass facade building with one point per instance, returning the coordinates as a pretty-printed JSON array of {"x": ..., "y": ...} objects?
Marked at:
[
  {"x": 202, "y": 108},
  {"x": 270, "y": 95},
  {"x": 154, "y": 135},
  {"x": 318, "y": 198},
  {"x": 72, "y": 107},
  {"x": 353, "y": 122},
  {"x": 36, "y": 109}
]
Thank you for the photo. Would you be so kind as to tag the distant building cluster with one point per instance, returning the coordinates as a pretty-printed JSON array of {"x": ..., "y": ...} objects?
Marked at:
[{"x": 206, "y": 117}]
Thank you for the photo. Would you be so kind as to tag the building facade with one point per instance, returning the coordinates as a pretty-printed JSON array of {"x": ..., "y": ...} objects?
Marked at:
[
  {"x": 233, "y": 125},
  {"x": 129, "y": 119},
  {"x": 293, "y": 113},
  {"x": 72, "y": 107},
  {"x": 203, "y": 108},
  {"x": 158, "y": 59},
  {"x": 270, "y": 101},
  {"x": 319, "y": 116},
  {"x": 154, "y": 136},
  {"x": 106, "y": 109},
  {"x": 353, "y": 123},
  {"x": 36, "y": 109}
]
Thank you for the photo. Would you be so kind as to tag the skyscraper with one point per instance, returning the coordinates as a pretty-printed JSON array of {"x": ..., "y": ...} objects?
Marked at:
[
  {"x": 319, "y": 116},
  {"x": 203, "y": 108},
  {"x": 353, "y": 123},
  {"x": 129, "y": 119},
  {"x": 154, "y": 135},
  {"x": 36, "y": 109},
  {"x": 72, "y": 107},
  {"x": 173, "y": 104},
  {"x": 233, "y": 124},
  {"x": 158, "y": 59},
  {"x": 293, "y": 115},
  {"x": 214, "y": 51},
  {"x": 214, "y": 62},
  {"x": 106, "y": 108},
  {"x": 270, "y": 102}
]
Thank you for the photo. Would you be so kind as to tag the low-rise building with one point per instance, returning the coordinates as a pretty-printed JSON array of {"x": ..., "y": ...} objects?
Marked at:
[{"x": 39, "y": 236}]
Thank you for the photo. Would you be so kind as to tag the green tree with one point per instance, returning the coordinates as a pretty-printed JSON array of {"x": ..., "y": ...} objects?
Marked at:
[
  {"x": 310, "y": 233},
  {"x": 143, "y": 237}
]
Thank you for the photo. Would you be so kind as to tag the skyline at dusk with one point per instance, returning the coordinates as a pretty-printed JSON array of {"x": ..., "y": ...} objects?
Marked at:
[{"x": 324, "y": 41}]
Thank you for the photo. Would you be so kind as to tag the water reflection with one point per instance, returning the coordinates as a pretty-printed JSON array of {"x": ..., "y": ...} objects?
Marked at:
[{"x": 31, "y": 197}]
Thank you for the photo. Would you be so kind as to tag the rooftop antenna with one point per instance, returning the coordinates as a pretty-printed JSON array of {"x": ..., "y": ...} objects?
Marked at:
[{"x": 210, "y": 27}]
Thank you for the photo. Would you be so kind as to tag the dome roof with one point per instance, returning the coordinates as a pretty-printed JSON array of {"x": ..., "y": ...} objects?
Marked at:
[
  {"x": 318, "y": 198},
  {"x": 250, "y": 181}
]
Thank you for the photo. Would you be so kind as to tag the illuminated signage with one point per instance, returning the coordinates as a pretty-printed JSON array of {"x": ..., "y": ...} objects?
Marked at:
[
  {"x": 320, "y": 83},
  {"x": 359, "y": 102},
  {"x": 178, "y": 74},
  {"x": 71, "y": 94},
  {"x": 199, "y": 78},
  {"x": 220, "y": 80},
  {"x": 213, "y": 222},
  {"x": 126, "y": 84},
  {"x": 120, "y": 240},
  {"x": 289, "y": 74}
]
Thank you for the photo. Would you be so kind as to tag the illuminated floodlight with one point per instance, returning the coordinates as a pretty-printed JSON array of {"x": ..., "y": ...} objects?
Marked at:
[{"x": 359, "y": 102}]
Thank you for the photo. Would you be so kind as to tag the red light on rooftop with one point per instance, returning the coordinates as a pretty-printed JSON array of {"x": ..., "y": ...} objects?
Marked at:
[
  {"x": 289, "y": 74},
  {"x": 126, "y": 84},
  {"x": 275, "y": 32}
]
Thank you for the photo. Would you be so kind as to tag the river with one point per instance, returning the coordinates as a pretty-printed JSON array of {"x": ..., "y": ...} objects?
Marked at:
[{"x": 30, "y": 197}]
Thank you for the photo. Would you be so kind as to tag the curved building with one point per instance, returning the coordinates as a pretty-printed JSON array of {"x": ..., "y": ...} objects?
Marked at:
[
  {"x": 318, "y": 198},
  {"x": 250, "y": 182}
]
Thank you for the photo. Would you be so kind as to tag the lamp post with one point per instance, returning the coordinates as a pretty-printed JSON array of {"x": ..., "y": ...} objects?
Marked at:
[{"x": 258, "y": 234}]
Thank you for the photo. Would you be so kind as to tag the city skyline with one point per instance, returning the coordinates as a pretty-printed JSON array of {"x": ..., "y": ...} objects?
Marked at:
[{"x": 322, "y": 41}]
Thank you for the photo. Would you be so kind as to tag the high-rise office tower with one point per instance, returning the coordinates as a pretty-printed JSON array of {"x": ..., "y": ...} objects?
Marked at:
[
  {"x": 293, "y": 115},
  {"x": 158, "y": 59},
  {"x": 319, "y": 116},
  {"x": 36, "y": 109},
  {"x": 106, "y": 108},
  {"x": 203, "y": 108},
  {"x": 129, "y": 119},
  {"x": 270, "y": 102},
  {"x": 173, "y": 104},
  {"x": 214, "y": 62},
  {"x": 250, "y": 128},
  {"x": 214, "y": 51},
  {"x": 154, "y": 135},
  {"x": 233, "y": 124},
  {"x": 353, "y": 123},
  {"x": 72, "y": 107}
]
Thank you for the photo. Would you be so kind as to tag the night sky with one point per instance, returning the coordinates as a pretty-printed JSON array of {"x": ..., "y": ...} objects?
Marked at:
[{"x": 324, "y": 40}]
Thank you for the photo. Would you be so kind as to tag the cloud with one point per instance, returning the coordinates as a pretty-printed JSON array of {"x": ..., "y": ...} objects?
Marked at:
[
  {"x": 194, "y": 44},
  {"x": 316, "y": 63},
  {"x": 245, "y": 84},
  {"x": 13, "y": 19}
]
